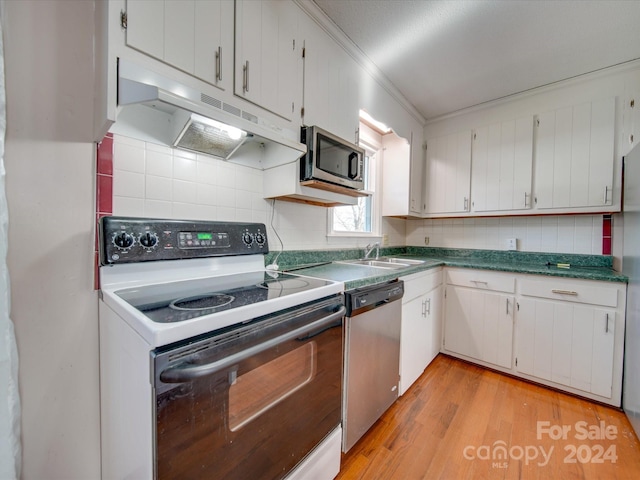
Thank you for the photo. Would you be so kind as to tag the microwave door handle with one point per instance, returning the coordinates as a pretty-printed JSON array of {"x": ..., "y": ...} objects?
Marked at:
[
  {"x": 353, "y": 160},
  {"x": 187, "y": 373}
]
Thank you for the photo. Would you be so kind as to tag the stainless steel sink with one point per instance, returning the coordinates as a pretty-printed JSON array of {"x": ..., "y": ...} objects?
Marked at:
[{"x": 384, "y": 262}]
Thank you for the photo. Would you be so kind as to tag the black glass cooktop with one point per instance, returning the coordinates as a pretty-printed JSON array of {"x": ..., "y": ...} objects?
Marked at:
[{"x": 179, "y": 301}]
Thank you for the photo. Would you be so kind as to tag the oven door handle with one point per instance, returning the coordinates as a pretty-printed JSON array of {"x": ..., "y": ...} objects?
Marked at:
[{"x": 186, "y": 372}]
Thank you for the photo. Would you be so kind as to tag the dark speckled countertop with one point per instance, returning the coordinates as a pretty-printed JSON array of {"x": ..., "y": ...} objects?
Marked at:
[{"x": 319, "y": 264}]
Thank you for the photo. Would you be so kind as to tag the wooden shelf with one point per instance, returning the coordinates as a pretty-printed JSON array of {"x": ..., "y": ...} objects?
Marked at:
[{"x": 330, "y": 187}]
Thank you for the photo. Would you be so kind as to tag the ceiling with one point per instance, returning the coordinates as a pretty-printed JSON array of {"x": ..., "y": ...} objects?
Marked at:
[{"x": 444, "y": 56}]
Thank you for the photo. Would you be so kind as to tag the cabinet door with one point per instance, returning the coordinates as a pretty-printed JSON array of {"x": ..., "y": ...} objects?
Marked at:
[
  {"x": 502, "y": 160},
  {"x": 213, "y": 49},
  {"x": 574, "y": 156},
  {"x": 179, "y": 23},
  {"x": 448, "y": 173},
  {"x": 433, "y": 308},
  {"x": 421, "y": 335},
  {"x": 145, "y": 27},
  {"x": 265, "y": 54},
  {"x": 330, "y": 98},
  {"x": 193, "y": 36},
  {"x": 248, "y": 50},
  {"x": 396, "y": 170},
  {"x": 416, "y": 175},
  {"x": 566, "y": 343},
  {"x": 479, "y": 325},
  {"x": 413, "y": 342}
]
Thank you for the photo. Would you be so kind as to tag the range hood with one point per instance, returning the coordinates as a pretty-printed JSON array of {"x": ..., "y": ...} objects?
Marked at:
[{"x": 160, "y": 110}]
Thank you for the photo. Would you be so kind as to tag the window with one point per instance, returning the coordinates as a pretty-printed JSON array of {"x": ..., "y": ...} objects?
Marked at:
[
  {"x": 362, "y": 219},
  {"x": 358, "y": 218}
]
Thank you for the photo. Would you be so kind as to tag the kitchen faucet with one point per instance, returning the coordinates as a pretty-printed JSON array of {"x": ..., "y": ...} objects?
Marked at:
[{"x": 369, "y": 248}]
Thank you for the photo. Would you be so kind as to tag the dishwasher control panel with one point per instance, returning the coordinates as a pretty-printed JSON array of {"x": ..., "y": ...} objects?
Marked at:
[{"x": 362, "y": 299}]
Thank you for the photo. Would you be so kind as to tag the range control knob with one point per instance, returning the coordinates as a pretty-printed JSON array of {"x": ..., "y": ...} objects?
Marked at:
[
  {"x": 247, "y": 238},
  {"x": 123, "y": 240},
  {"x": 260, "y": 239},
  {"x": 148, "y": 240}
]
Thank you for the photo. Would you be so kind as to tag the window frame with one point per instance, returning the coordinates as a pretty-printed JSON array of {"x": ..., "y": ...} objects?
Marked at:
[{"x": 373, "y": 149}]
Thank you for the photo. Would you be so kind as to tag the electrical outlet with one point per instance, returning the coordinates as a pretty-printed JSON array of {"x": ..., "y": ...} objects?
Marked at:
[
  {"x": 426, "y": 240},
  {"x": 512, "y": 243},
  {"x": 385, "y": 240}
]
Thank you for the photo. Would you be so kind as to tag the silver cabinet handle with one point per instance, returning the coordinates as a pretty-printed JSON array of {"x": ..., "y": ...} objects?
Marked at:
[
  {"x": 479, "y": 281},
  {"x": 245, "y": 76},
  {"x": 564, "y": 292},
  {"x": 466, "y": 203},
  {"x": 424, "y": 308},
  {"x": 606, "y": 194},
  {"x": 526, "y": 195},
  {"x": 606, "y": 323},
  {"x": 428, "y": 306},
  {"x": 187, "y": 372},
  {"x": 507, "y": 306},
  {"x": 219, "y": 64}
]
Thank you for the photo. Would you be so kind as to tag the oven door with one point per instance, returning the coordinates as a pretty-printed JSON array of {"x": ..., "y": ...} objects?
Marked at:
[{"x": 251, "y": 401}]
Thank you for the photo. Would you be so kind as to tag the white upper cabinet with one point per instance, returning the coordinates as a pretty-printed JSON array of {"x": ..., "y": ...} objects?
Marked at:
[
  {"x": 331, "y": 99},
  {"x": 502, "y": 158},
  {"x": 575, "y": 156},
  {"x": 401, "y": 177},
  {"x": 193, "y": 36},
  {"x": 448, "y": 173},
  {"x": 416, "y": 177},
  {"x": 266, "y": 55}
]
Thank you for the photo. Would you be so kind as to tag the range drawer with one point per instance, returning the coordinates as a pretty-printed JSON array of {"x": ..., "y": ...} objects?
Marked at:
[
  {"x": 417, "y": 284},
  {"x": 577, "y": 291},
  {"x": 482, "y": 279}
]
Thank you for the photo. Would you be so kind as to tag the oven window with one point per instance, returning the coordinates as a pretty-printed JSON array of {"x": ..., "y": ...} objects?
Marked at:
[{"x": 262, "y": 388}]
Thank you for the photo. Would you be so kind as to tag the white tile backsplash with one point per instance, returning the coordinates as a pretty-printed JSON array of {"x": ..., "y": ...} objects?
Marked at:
[
  {"x": 128, "y": 184},
  {"x": 157, "y": 208},
  {"x": 159, "y": 164},
  {"x": 185, "y": 192},
  {"x": 129, "y": 207},
  {"x": 185, "y": 168},
  {"x": 157, "y": 181},
  {"x": 127, "y": 157},
  {"x": 556, "y": 233}
]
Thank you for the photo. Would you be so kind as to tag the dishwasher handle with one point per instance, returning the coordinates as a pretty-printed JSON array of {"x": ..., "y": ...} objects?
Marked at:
[{"x": 187, "y": 372}]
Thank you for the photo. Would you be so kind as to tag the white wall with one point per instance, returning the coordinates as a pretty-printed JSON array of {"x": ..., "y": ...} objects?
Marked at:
[
  {"x": 561, "y": 234},
  {"x": 156, "y": 181},
  {"x": 50, "y": 189}
]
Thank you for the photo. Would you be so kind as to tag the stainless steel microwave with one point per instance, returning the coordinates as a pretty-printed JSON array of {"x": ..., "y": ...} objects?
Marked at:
[{"x": 331, "y": 159}]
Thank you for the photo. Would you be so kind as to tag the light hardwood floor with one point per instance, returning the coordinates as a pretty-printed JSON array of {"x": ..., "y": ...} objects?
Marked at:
[{"x": 454, "y": 419}]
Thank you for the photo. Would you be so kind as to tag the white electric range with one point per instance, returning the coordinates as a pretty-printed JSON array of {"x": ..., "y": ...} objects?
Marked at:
[{"x": 212, "y": 366}]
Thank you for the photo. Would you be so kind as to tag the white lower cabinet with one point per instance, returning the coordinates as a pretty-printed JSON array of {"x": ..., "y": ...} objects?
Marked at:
[
  {"x": 421, "y": 324},
  {"x": 569, "y": 344},
  {"x": 567, "y": 334},
  {"x": 479, "y": 320},
  {"x": 571, "y": 333}
]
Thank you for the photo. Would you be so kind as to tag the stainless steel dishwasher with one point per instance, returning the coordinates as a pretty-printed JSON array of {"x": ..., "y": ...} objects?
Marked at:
[{"x": 372, "y": 356}]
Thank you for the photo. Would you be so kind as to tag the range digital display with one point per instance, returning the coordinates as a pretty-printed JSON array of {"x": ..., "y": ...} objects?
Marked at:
[{"x": 205, "y": 235}]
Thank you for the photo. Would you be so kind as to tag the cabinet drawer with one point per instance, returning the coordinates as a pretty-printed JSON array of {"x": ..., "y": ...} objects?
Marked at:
[
  {"x": 420, "y": 283},
  {"x": 589, "y": 292},
  {"x": 482, "y": 279}
]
